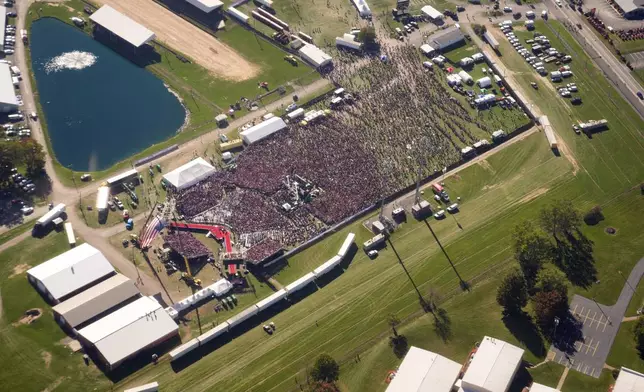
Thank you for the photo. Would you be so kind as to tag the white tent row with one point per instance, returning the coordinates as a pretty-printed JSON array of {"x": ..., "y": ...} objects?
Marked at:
[
  {"x": 346, "y": 245},
  {"x": 217, "y": 289},
  {"x": 213, "y": 333},
  {"x": 184, "y": 349},
  {"x": 271, "y": 300},
  {"x": 300, "y": 283},
  {"x": 326, "y": 267}
]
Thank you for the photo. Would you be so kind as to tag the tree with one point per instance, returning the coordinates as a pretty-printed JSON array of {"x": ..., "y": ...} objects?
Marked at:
[
  {"x": 479, "y": 29},
  {"x": 393, "y": 322},
  {"x": 552, "y": 280},
  {"x": 367, "y": 36},
  {"x": 33, "y": 156},
  {"x": 561, "y": 218},
  {"x": 547, "y": 306},
  {"x": 512, "y": 293},
  {"x": 638, "y": 334},
  {"x": 325, "y": 369},
  {"x": 531, "y": 250},
  {"x": 9, "y": 157},
  {"x": 594, "y": 216}
]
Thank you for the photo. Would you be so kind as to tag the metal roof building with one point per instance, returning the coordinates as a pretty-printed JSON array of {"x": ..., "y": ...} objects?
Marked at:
[
  {"x": 425, "y": 371},
  {"x": 3, "y": 25},
  {"x": 129, "y": 330},
  {"x": 95, "y": 300},
  {"x": 446, "y": 38},
  {"x": 206, "y": 5},
  {"x": 493, "y": 367},
  {"x": 67, "y": 274},
  {"x": 632, "y": 8},
  {"x": 121, "y": 177},
  {"x": 315, "y": 55},
  {"x": 264, "y": 129},
  {"x": 431, "y": 12},
  {"x": 8, "y": 100},
  {"x": 190, "y": 173},
  {"x": 122, "y": 26},
  {"x": 629, "y": 381},
  {"x": 535, "y": 387}
]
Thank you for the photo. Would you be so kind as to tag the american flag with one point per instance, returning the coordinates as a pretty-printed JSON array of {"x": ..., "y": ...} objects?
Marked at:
[{"x": 151, "y": 231}]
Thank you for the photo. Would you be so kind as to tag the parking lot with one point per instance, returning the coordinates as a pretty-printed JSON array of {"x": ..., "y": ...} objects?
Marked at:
[
  {"x": 636, "y": 59},
  {"x": 609, "y": 15}
]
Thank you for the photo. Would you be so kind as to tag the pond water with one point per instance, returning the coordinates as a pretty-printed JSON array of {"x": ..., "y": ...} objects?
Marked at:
[{"x": 100, "y": 108}]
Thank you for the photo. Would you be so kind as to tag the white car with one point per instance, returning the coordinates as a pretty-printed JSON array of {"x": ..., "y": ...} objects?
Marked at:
[
  {"x": 34, "y": 116},
  {"x": 372, "y": 254},
  {"x": 453, "y": 208},
  {"x": 27, "y": 210},
  {"x": 507, "y": 9},
  {"x": 558, "y": 2},
  {"x": 291, "y": 107},
  {"x": 439, "y": 214}
]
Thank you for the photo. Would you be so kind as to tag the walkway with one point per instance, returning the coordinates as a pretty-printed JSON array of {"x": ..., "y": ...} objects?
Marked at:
[{"x": 584, "y": 346}]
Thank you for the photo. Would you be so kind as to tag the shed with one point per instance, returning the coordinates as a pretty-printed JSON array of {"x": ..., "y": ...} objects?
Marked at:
[
  {"x": 423, "y": 371},
  {"x": 427, "y": 49},
  {"x": 484, "y": 82},
  {"x": 135, "y": 327},
  {"x": 466, "y": 61},
  {"x": 478, "y": 57},
  {"x": 94, "y": 301},
  {"x": 493, "y": 368},
  {"x": 377, "y": 227},
  {"x": 446, "y": 38},
  {"x": 221, "y": 119},
  {"x": 71, "y": 272},
  {"x": 314, "y": 55},
  {"x": 189, "y": 174}
]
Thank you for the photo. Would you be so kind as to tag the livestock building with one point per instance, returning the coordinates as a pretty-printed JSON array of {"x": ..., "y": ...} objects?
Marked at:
[
  {"x": 423, "y": 370},
  {"x": 315, "y": 56},
  {"x": 135, "y": 327},
  {"x": 70, "y": 273},
  {"x": 493, "y": 368},
  {"x": 446, "y": 38},
  {"x": 629, "y": 381},
  {"x": 206, "y": 5},
  {"x": 189, "y": 174},
  {"x": 262, "y": 130},
  {"x": 95, "y": 301},
  {"x": 122, "y": 26},
  {"x": 8, "y": 100}
]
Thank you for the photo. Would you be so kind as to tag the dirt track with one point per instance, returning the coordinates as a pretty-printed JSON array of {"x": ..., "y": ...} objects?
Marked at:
[{"x": 181, "y": 35}]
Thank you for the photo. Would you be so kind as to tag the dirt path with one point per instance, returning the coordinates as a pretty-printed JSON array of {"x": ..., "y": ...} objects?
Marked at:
[{"x": 182, "y": 35}]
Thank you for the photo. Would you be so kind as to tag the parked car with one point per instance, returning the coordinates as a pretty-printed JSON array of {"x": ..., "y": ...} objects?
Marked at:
[
  {"x": 27, "y": 210},
  {"x": 507, "y": 9},
  {"x": 640, "y": 95},
  {"x": 453, "y": 208},
  {"x": 86, "y": 177},
  {"x": 439, "y": 214},
  {"x": 291, "y": 107},
  {"x": 372, "y": 254}
]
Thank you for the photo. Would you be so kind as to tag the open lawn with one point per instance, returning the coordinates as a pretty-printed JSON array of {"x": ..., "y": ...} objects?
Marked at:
[
  {"x": 624, "y": 352},
  {"x": 578, "y": 382},
  {"x": 203, "y": 94},
  {"x": 628, "y": 46},
  {"x": 32, "y": 357}
]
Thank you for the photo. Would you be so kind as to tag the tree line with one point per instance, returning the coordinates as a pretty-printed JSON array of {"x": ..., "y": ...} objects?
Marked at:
[{"x": 14, "y": 153}]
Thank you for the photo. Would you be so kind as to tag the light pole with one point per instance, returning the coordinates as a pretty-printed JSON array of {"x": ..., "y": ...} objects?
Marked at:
[
  {"x": 601, "y": 310},
  {"x": 626, "y": 281},
  {"x": 420, "y": 296},
  {"x": 464, "y": 285}
]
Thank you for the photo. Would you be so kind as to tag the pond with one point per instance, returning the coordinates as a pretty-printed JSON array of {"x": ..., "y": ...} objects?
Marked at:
[{"x": 100, "y": 108}]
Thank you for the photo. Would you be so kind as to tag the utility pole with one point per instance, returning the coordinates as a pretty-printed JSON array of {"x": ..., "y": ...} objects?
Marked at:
[
  {"x": 420, "y": 296},
  {"x": 601, "y": 310},
  {"x": 463, "y": 284}
]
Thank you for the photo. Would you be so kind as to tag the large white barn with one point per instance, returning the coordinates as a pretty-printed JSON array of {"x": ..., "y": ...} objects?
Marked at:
[
  {"x": 423, "y": 370},
  {"x": 122, "y": 26}
]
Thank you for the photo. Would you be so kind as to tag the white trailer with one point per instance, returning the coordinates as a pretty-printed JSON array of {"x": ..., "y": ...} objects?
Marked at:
[
  {"x": 300, "y": 283},
  {"x": 240, "y": 16},
  {"x": 71, "y": 238},
  {"x": 213, "y": 333},
  {"x": 346, "y": 245},
  {"x": 295, "y": 114},
  {"x": 52, "y": 214},
  {"x": 24, "y": 36},
  {"x": 271, "y": 300},
  {"x": 151, "y": 387},
  {"x": 243, "y": 316},
  {"x": 184, "y": 349},
  {"x": 15, "y": 70},
  {"x": 327, "y": 266},
  {"x": 102, "y": 197}
]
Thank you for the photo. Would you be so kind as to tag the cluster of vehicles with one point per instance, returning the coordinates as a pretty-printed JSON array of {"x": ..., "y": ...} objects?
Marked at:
[
  {"x": 10, "y": 39},
  {"x": 406, "y": 29},
  {"x": 441, "y": 195},
  {"x": 22, "y": 182}
]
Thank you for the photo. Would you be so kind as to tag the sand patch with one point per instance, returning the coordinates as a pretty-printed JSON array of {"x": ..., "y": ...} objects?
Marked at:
[
  {"x": 54, "y": 384},
  {"x": 486, "y": 166},
  {"x": 19, "y": 270},
  {"x": 30, "y": 316},
  {"x": 46, "y": 356},
  {"x": 533, "y": 195},
  {"x": 565, "y": 151}
]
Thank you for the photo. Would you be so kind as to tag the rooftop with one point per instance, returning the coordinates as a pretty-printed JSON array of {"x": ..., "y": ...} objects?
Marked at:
[
  {"x": 122, "y": 26},
  {"x": 190, "y": 173},
  {"x": 493, "y": 366},
  {"x": 72, "y": 270},
  {"x": 7, "y": 90},
  {"x": 264, "y": 129},
  {"x": 629, "y": 381},
  {"x": 446, "y": 37},
  {"x": 425, "y": 371}
]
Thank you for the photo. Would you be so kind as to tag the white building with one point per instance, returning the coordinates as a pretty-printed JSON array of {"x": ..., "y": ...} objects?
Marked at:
[
  {"x": 189, "y": 174},
  {"x": 446, "y": 38},
  {"x": 237, "y": 14},
  {"x": 493, "y": 368},
  {"x": 125, "y": 176},
  {"x": 264, "y": 129},
  {"x": 633, "y": 9},
  {"x": 535, "y": 387},
  {"x": 431, "y": 12},
  {"x": 206, "y": 5},
  {"x": 122, "y": 26},
  {"x": 424, "y": 371},
  {"x": 137, "y": 326},
  {"x": 362, "y": 7},
  {"x": 315, "y": 56},
  {"x": 549, "y": 131},
  {"x": 348, "y": 41},
  {"x": 629, "y": 381},
  {"x": 8, "y": 100},
  {"x": 94, "y": 301},
  {"x": 427, "y": 49},
  {"x": 69, "y": 273}
]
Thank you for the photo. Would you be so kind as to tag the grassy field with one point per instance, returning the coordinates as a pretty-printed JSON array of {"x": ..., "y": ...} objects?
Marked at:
[
  {"x": 628, "y": 46},
  {"x": 578, "y": 382},
  {"x": 203, "y": 95},
  {"x": 15, "y": 231},
  {"x": 624, "y": 352},
  {"x": 32, "y": 357}
]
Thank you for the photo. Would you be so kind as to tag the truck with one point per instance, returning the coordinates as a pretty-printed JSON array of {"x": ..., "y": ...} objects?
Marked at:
[
  {"x": 15, "y": 70},
  {"x": 24, "y": 36},
  {"x": 44, "y": 221}
]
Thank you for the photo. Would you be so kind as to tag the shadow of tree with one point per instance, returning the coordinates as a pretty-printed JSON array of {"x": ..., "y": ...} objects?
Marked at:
[
  {"x": 442, "y": 324},
  {"x": 574, "y": 256},
  {"x": 568, "y": 332},
  {"x": 523, "y": 328},
  {"x": 399, "y": 344}
]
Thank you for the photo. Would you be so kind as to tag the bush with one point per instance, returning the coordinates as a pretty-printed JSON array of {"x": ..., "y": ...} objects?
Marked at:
[
  {"x": 479, "y": 29},
  {"x": 325, "y": 369},
  {"x": 638, "y": 334},
  {"x": 594, "y": 216}
]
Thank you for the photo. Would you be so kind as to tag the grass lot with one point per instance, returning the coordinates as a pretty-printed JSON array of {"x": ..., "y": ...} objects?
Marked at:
[
  {"x": 15, "y": 232},
  {"x": 628, "y": 46},
  {"x": 624, "y": 351},
  {"x": 32, "y": 359},
  {"x": 639, "y": 75},
  {"x": 548, "y": 374},
  {"x": 203, "y": 95},
  {"x": 576, "y": 381}
]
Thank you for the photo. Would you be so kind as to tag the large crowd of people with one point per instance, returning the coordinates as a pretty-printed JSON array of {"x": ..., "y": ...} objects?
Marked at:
[
  {"x": 403, "y": 124},
  {"x": 263, "y": 250},
  {"x": 186, "y": 245},
  {"x": 631, "y": 34}
]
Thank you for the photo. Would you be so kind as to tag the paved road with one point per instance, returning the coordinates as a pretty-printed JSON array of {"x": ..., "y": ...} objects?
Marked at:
[
  {"x": 583, "y": 343},
  {"x": 614, "y": 70}
]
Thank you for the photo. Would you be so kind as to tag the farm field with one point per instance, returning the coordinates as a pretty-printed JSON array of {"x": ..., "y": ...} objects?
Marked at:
[
  {"x": 496, "y": 194},
  {"x": 33, "y": 357}
]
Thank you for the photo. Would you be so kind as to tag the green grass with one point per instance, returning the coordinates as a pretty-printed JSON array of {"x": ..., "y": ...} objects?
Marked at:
[
  {"x": 203, "y": 95},
  {"x": 624, "y": 351},
  {"x": 547, "y": 374},
  {"x": 639, "y": 75},
  {"x": 15, "y": 232},
  {"x": 576, "y": 382},
  {"x": 628, "y": 46},
  {"x": 24, "y": 347}
]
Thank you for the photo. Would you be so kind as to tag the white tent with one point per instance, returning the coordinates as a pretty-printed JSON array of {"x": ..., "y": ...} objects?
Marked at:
[
  {"x": 423, "y": 370},
  {"x": 493, "y": 368},
  {"x": 264, "y": 129},
  {"x": 189, "y": 174}
]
